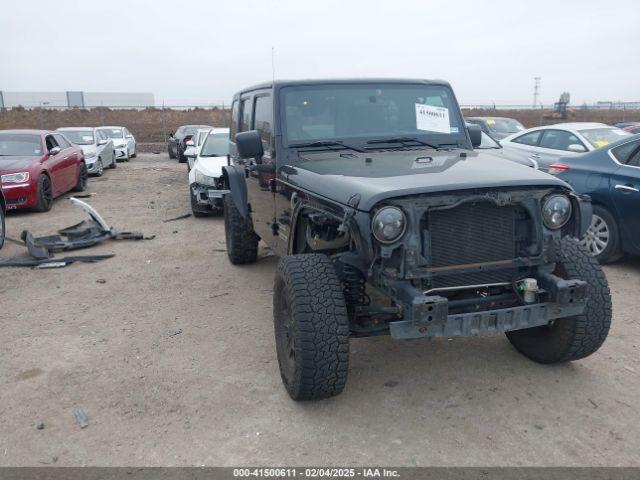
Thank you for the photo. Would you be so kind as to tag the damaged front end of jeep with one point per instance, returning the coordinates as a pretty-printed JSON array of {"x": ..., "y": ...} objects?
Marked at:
[{"x": 461, "y": 264}]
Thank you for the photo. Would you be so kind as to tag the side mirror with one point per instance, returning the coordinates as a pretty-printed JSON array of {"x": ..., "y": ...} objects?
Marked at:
[
  {"x": 102, "y": 142},
  {"x": 475, "y": 134},
  {"x": 55, "y": 151},
  {"x": 190, "y": 143},
  {"x": 577, "y": 148},
  {"x": 249, "y": 144}
]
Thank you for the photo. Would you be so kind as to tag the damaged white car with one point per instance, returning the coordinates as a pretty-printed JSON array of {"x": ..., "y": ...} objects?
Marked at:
[{"x": 205, "y": 178}]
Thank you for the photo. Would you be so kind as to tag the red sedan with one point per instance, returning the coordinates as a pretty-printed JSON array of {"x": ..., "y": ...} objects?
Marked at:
[{"x": 36, "y": 166}]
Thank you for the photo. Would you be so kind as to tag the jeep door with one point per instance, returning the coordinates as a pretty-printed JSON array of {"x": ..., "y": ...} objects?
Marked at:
[{"x": 256, "y": 114}]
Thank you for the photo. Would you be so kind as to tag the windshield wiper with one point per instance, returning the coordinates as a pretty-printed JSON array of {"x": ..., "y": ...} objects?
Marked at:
[
  {"x": 325, "y": 143},
  {"x": 405, "y": 140}
]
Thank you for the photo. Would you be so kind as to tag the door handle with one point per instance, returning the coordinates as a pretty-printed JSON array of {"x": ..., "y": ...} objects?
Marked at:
[{"x": 627, "y": 188}]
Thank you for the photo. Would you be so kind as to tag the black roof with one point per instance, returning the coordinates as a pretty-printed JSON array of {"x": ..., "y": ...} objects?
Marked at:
[{"x": 338, "y": 81}]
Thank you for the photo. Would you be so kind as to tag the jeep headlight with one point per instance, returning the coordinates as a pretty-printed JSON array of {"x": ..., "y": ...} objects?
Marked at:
[
  {"x": 388, "y": 224},
  {"x": 556, "y": 211},
  {"x": 205, "y": 179}
]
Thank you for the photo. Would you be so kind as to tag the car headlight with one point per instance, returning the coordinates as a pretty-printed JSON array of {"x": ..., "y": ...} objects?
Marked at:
[
  {"x": 89, "y": 155},
  {"x": 205, "y": 179},
  {"x": 556, "y": 211},
  {"x": 15, "y": 177},
  {"x": 388, "y": 224}
]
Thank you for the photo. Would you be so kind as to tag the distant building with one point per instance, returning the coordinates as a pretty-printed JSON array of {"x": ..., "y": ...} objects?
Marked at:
[{"x": 75, "y": 99}]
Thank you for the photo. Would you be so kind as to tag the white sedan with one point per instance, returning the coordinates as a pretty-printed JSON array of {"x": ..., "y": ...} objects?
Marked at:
[
  {"x": 545, "y": 145},
  {"x": 123, "y": 141},
  {"x": 206, "y": 188}
]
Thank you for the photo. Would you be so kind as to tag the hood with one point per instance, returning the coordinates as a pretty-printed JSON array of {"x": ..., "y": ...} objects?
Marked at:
[
  {"x": 12, "y": 164},
  {"x": 210, "y": 166},
  {"x": 339, "y": 175},
  {"x": 119, "y": 142}
]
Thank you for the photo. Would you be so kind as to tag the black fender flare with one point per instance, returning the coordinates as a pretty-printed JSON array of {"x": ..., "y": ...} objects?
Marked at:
[{"x": 235, "y": 180}]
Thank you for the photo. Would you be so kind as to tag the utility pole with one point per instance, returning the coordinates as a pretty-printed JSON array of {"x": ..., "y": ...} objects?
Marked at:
[{"x": 536, "y": 90}]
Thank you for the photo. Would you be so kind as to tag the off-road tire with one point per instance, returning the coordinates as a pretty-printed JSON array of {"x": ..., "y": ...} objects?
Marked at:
[
  {"x": 572, "y": 338},
  {"x": 242, "y": 241},
  {"x": 196, "y": 209},
  {"x": 311, "y": 327},
  {"x": 83, "y": 179},
  {"x": 45, "y": 194}
]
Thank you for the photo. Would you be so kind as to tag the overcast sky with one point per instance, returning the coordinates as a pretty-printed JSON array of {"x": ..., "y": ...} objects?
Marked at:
[{"x": 199, "y": 52}]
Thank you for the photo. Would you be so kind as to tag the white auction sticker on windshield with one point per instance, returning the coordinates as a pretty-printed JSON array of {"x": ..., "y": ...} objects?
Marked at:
[{"x": 432, "y": 119}]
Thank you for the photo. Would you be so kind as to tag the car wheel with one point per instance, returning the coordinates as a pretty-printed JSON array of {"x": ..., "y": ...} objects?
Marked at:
[
  {"x": 195, "y": 208},
  {"x": 126, "y": 156},
  {"x": 242, "y": 241},
  {"x": 311, "y": 327},
  {"x": 114, "y": 162},
  {"x": 100, "y": 169},
  {"x": 172, "y": 153},
  {"x": 45, "y": 194},
  {"x": 135, "y": 153},
  {"x": 83, "y": 177},
  {"x": 602, "y": 239},
  {"x": 576, "y": 337}
]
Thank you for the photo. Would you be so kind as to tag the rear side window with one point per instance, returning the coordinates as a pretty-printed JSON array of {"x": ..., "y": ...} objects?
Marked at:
[
  {"x": 530, "y": 138},
  {"x": 263, "y": 120},
  {"x": 235, "y": 113},
  {"x": 625, "y": 153},
  {"x": 245, "y": 124},
  {"x": 559, "y": 140}
]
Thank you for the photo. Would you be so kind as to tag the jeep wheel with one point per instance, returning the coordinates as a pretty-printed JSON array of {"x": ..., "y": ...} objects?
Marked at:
[
  {"x": 602, "y": 239},
  {"x": 242, "y": 241},
  {"x": 577, "y": 337},
  {"x": 311, "y": 327}
]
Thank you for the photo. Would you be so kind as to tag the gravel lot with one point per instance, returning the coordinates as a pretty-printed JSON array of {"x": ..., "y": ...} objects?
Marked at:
[{"x": 169, "y": 350}]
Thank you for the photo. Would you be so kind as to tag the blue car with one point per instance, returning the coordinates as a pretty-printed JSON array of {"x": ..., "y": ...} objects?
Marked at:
[{"x": 611, "y": 176}]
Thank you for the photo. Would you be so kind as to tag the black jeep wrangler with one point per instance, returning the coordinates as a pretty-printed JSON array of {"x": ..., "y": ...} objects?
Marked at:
[{"x": 388, "y": 222}]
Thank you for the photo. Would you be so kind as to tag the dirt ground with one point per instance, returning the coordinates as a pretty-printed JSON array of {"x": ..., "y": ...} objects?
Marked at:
[{"x": 169, "y": 350}]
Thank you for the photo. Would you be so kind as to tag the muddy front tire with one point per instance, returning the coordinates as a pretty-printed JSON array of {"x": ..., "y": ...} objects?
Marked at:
[
  {"x": 311, "y": 327},
  {"x": 242, "y": 241},
  {"x": 576, "y": 337}
]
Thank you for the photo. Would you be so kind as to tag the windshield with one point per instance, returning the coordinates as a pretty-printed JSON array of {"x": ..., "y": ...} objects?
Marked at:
[
  {"x": 20, "y": 145},
  {"x": 79, "y": 137},
  {"x": 371, "y": 111},
  {"x": 599, "y": 137},
  {"x": 112, "y": 132},
  {"x": 504, "y": 125},
  {"x": 216, "y": 145}
]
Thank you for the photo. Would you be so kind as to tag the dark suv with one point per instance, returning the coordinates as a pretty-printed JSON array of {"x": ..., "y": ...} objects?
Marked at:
[
  {"x": 387, "y": 221},
  {"x": 177, "y": 142}
]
